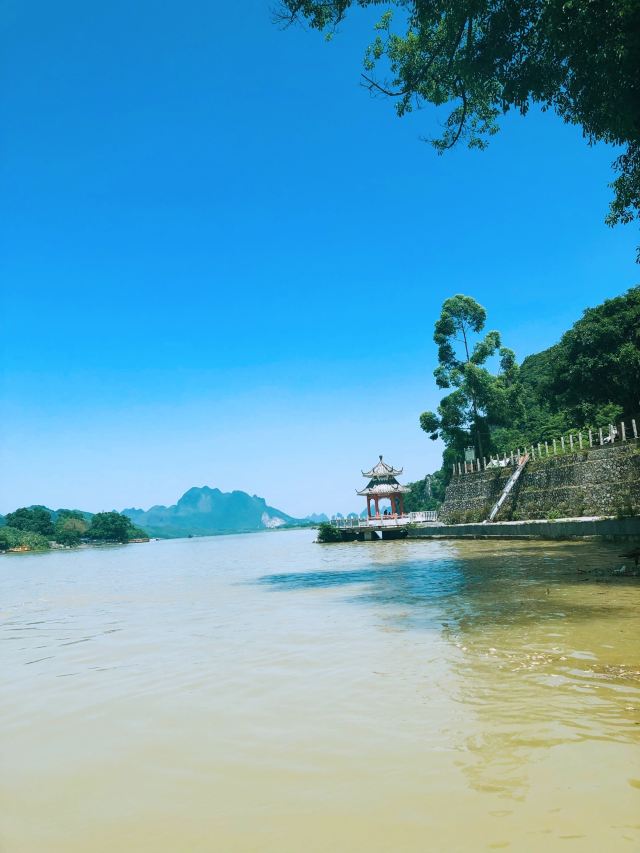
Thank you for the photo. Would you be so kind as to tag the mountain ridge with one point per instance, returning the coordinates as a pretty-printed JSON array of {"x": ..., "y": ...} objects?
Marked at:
[{"x": 203, "y": 511}]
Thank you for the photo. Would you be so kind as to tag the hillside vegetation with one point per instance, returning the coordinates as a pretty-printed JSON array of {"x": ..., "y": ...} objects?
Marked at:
[{"x": 589, "y": 379}]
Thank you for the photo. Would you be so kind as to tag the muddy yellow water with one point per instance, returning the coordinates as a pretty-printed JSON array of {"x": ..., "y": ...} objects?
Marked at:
[{"x": 262, "y": 693}]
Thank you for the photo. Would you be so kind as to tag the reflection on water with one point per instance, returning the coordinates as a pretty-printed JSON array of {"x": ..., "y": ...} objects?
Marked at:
[{"x": 263, "y": 693}]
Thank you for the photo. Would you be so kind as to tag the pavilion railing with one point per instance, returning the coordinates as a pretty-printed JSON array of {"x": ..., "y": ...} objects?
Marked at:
[{"x": 386, "y": 520}]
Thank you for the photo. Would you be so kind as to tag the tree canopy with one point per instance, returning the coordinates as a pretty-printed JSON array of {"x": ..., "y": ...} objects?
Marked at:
[
  {"x": 70, "y": 526},
  {"x": 580, "y": 58},
  {"x": 112, "y": 527},
  {"x": 32, "y": 520}
]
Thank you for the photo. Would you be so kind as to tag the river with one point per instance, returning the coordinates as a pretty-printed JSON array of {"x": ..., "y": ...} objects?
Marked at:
[{"x": 263, "y": 693}]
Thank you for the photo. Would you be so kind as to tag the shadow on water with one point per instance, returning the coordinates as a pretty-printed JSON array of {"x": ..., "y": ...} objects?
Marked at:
[
  {"x": 477, "y": 583},
  {"x": 418, "y": 587},
  {"x": 541, "y": 638}
]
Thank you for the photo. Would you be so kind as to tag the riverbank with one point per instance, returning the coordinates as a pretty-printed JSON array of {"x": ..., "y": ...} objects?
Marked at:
[
  {"x": 603, "y": 528},
  {"x": 56, "y": 546},
  {"x": 595, "y": 527}
]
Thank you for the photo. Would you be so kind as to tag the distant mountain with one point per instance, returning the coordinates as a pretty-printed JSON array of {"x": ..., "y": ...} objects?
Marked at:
[
  {"x": 204, "y": 511},
  {"x": 316, "y": 518}
]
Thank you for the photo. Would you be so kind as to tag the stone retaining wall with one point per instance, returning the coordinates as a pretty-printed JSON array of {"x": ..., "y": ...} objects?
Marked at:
[
  {"x": 616, "y": 529},
  {"x": 592, "y": 482}
]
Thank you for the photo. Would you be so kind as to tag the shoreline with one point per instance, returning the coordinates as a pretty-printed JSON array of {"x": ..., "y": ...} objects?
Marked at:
[{"x": 603, "y": 528}]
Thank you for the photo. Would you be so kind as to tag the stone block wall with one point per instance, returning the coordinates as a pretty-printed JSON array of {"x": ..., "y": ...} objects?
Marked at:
[{"x": 594, "y": 481}]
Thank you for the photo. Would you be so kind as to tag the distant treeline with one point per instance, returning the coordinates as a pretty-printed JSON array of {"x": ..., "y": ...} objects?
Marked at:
[
  {"x": 36, "y": 528},
  {"x": 589, "y": 379}
]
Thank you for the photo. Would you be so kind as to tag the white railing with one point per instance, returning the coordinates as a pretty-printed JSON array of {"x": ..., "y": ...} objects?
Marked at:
[
  {"x": 576, "y": 440},
  {"x": 429, "y": 516}
]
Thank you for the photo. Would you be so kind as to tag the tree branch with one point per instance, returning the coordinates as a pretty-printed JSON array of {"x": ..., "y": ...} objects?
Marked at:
[
  {"x": 463, "y": 119},
  {"x": 288, "y": 11},
  {"x": 371, "y": 85},
  {"x": 456, "y": 43}
]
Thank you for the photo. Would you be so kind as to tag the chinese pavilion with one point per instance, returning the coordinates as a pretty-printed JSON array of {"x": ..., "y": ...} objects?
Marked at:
[{"x": 383, "y": 484}]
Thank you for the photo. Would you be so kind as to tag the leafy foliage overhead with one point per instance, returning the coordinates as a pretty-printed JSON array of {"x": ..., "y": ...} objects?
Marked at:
[{"x": 483, "y": 58}]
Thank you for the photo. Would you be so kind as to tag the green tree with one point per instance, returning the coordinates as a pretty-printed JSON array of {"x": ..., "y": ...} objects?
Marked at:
[
  {"x": 597, "y": 362},
  {"x": 70, "y": 526},
  {"x": 32, "y": 519},
  {"x": 580, "y": 58},
  {"x": 111, "y": 527},
  {"x": 479, "y": 396}
]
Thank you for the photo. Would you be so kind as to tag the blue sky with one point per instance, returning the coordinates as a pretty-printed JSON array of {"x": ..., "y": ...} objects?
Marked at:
[{"x": 222, "y": 260}]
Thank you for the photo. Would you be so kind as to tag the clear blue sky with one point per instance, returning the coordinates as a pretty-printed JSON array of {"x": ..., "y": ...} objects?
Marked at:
[{"x": 222, "y": 260}]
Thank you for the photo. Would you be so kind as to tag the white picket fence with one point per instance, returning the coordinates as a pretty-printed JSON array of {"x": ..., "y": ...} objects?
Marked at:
[{"x": 591, "y": 438}]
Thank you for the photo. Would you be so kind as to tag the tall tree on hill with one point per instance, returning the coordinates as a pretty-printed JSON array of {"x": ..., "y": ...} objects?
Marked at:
[
  {"x": 480, "y": 398},
  {"x": 483, "y": 58}
]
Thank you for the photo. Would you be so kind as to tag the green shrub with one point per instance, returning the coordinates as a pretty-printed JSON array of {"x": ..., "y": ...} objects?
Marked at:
[
  {"x": 328, "y": 533},
  {"x": 454, "y": 517},
  {"x": 624, "y": 508}
]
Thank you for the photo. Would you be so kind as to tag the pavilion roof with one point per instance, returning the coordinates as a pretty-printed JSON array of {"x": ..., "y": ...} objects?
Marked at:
[
  {"x": 382, "y": 470},
  {"x": 391, "y": 487}
]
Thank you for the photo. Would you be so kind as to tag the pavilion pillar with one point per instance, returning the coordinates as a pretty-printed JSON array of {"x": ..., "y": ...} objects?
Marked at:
[
  {"x": 377, "y": 507},
  {"x": 368, "y": 506},
  {"x": 401, "y": 504}
]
